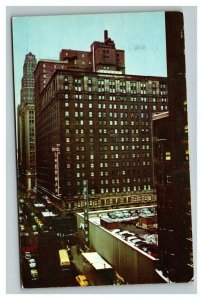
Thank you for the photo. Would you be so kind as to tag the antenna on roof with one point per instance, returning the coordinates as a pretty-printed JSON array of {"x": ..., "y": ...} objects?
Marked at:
[{"x": 27, "y": 42}]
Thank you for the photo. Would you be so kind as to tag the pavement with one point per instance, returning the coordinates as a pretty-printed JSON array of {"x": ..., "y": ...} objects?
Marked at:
[{"x": 77, "y": 259}]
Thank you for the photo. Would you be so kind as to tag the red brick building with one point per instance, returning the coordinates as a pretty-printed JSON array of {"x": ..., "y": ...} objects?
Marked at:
[{"x": 101, "y": 120}]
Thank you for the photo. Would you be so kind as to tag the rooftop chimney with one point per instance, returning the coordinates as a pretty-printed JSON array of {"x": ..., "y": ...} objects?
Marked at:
[{"x": 105, "y": 35}]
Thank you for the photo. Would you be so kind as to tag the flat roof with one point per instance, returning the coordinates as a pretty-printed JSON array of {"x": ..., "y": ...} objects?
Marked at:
[{"x": 96, "y": 260}]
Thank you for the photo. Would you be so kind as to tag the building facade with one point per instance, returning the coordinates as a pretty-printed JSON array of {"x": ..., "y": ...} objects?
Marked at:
[
  {"x": 94, "y": 122},
  {"x": 26, "y": 127},
  {"x": 172, "y": 164}
]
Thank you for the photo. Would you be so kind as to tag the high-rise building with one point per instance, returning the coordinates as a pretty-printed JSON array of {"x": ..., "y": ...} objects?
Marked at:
[
  {"x": 172, "y": 164},
  {"x": 26, "y": 126},
  {"x": 94, "y": 122}
]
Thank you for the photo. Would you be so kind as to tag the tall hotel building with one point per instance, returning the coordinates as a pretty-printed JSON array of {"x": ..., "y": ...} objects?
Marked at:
[
  {"x": 94, "y": 122},
  {"x": 172, "y": 164},
  {"x": 26, "y": 127}
]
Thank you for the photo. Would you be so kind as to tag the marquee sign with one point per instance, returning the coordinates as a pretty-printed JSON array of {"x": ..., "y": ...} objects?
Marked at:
[{"x": 56, "y": 151}]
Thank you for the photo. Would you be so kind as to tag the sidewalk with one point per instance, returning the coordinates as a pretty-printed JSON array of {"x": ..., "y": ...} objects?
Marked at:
[
  {"x": 77, "y": 259},
  {"x": 83, "y": 267}
]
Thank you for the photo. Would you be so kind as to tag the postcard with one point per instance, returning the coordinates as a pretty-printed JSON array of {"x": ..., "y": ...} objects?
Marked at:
[{"x": 102, "y": 149}]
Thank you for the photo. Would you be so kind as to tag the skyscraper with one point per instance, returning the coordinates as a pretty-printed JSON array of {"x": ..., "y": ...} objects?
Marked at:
[
  {"x": 26, "y": 126},
  {"x": 93, "y": 122},
  {"x": 172, "y": 164}
]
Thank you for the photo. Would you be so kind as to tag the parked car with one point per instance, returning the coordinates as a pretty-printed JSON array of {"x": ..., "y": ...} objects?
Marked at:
[
  {"x": 153, "y": 250},
  {"x": 131, "y": 238},
  {"x": 82, "y": 280},
  {"x": 127, "y": 235},
  {"x": 28, "y": 255},
  {"x": 143, "y": 246},
  {"x": 123, "y": 233},
  {"x": 115, "y": 231},
  {"x": 136, "y": 242},
  {"x": 126, "y": 214},
  {"x": 118, "y": 214},
  {"x": 32, "y": 262},
  {"x": 112, "y": 216},
  {"x": 22, "y": 227},
  {"x": 34, "y": 274},
  {"x": 24, "y": 234}
]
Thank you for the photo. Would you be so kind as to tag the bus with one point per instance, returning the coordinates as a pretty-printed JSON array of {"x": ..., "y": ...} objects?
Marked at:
[{"x": 64, "y": 259}]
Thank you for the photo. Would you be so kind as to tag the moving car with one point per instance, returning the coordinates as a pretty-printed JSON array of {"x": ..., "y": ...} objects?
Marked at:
[{"x": 82, "y": 280}]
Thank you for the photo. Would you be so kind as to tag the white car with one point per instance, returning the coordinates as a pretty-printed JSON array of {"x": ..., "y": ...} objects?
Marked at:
[
  {"x": 32, "y": 263},
  {"x": 115, "y": 231},
  {"x": 28, "y": 255}
]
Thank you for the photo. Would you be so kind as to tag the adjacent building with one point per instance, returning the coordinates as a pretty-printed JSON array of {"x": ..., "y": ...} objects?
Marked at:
[
  {"x": 134, "y": 265},
  {"x": 94, "y": 122},
  {"x": 26, "y": 127},
  {"x": 172, "y": 164}
]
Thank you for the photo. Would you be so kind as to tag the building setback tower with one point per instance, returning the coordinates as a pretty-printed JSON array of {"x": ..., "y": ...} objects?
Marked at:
[
  {"x": 100, "y": 120},
  {"x": 172, "y": 164},
  {"x": 26, "y": 126}
]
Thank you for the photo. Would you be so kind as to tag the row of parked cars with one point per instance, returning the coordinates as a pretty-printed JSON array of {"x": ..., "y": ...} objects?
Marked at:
[
  {"x": 122, "y": 214},
  {"x": 32, "y": 266},
  {"x": 130, "y": 213},
  {"x": 137, "y": 241}
]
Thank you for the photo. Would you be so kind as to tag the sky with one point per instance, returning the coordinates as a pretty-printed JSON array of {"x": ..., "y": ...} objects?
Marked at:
[{"x": 141, "y": 35}]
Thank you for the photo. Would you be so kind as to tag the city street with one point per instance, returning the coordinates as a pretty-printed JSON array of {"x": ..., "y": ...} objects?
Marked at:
[{"x": 43, "y": 244}]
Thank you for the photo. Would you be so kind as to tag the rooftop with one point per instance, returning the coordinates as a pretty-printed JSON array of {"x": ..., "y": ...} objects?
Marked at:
[{"x": 96, "y": 260}]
